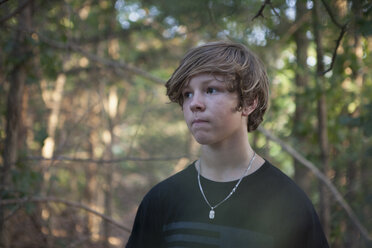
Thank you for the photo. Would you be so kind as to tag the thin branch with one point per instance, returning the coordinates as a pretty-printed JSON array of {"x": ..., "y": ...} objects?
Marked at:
[
  {"x": 295, "y": 26},
  {"x": 15, "y": 12},
  {"x": 66, "y": 202},
  {"x": 77, "y": 70},
  {"x": 4, "y": 1},
  {"x": 14, "y": 211},
  {"x": 342, "y": 33},
  {"x": 301, "y": 159},
  {"x": 99, "y": 161},
  {"x": 330, "y": 13},
  {"x": 273, "y": 9},
  {"x": 260, "y": 11},
  {"x": 140, "y": 123},
  {"x": 78, "y": 242},
  {"x": 338, "y": 42}
]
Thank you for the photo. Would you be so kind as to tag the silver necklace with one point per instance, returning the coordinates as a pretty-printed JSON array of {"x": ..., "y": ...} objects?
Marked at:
[{"x": 212, "y": 212}]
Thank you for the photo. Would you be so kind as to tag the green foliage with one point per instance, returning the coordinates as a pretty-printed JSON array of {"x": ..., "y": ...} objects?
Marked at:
[
  {"x": 77, "y": 39},
  {"x": 25, "y": 180}
]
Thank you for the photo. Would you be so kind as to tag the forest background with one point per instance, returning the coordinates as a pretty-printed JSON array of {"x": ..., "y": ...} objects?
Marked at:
[{"x": 86, "y": 128}]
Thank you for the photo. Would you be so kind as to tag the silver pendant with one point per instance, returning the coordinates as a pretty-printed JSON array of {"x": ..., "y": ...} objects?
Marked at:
[{"x": 211, "y": 214}]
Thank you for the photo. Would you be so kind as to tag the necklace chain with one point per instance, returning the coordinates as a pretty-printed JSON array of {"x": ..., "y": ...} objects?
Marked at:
[{"x": 211, "y": 212}]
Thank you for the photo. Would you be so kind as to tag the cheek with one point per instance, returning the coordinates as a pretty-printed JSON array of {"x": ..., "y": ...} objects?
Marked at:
[{"x": 186, "y": 116}]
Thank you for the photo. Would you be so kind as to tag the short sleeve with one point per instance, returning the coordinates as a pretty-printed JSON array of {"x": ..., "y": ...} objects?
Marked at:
[
  {"x": 314, "y": 234},
  {"x": 147, "y": 227}
]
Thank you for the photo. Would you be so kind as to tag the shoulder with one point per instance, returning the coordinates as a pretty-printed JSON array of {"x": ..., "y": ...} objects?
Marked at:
[
  {"x": 274, "y": 177},
  {"x": 172, "y": 185},
  {"x": 298, "y": 217},
  {"x": 287, "y": 205},
  {"x": 283, "y": 189}
]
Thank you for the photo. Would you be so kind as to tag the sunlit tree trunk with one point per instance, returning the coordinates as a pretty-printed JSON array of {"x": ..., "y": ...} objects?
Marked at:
[
  {"x": 17, "y": 80},
  {"x": 325, "y": 208},
  {"x": 54, "y": 103},
  {"x": 53, "y": 100},
  {"x": 111, "y": 107},
  {"x": 302, "y": 174},
  {"x": 91, "y": 226}
]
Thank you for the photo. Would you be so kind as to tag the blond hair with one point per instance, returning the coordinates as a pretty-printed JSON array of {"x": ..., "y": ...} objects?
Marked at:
[{"x": 242, "y": 70}]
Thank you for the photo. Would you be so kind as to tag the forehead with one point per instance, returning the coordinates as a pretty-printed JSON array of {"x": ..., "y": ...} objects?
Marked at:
[{"x": 204, "y": 78}]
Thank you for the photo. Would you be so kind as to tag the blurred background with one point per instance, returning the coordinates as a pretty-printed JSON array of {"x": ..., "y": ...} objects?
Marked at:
[{"x": 86, "y": 129}]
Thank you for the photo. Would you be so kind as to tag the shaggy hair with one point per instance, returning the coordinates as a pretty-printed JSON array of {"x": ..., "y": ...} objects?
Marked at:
[{"x": 242, "y": 70}]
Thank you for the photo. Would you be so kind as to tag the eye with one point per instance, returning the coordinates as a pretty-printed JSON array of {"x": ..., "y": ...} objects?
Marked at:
[
  {"x": 211, "y": 90},
  {"x": 186, "y": 94}
]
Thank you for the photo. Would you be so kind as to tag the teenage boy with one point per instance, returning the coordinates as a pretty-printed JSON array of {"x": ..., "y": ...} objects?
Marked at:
[{"x": 230, "y": 196}]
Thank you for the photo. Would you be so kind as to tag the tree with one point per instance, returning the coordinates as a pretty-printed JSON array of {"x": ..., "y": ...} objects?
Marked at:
[{"x": 103, "y": 163}]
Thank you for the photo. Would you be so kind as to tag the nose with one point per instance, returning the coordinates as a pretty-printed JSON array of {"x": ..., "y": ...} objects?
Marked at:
[{"x": 197, "y": 103}]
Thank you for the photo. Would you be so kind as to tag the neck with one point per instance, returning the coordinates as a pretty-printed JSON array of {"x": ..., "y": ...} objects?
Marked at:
[{"x": 226, "y": 162}]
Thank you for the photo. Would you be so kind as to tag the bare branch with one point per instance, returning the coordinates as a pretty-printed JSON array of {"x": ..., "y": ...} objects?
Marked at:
[
  {"x": 330, "y": 13},
  {"x": 338, "y": 42},
  {"x": 15, "y": 12},
  {"x": 295, "y": 26},
  {"x": 301, "y": 159},
  {"x": 14, "y": 211},
  {"x": 260, "y": 11},
  {"x": 273, "y": 9},
  {"x": 78, "y": 242},
  {"x": 342, "y": 33},
  {"x": 99, "y": 161},
  {"x": 66, "y": 202},
  {"x": 4, "y": 1}
]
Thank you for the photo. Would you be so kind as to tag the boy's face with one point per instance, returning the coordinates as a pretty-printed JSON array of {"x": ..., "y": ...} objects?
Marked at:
[{"x": 210, "y": 111}]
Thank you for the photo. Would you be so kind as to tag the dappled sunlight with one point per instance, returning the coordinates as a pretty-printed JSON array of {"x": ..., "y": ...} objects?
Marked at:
[{"x": 87, "y": 127}]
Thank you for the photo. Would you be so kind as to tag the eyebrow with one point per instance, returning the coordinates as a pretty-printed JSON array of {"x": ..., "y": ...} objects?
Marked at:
[{"x": 206, "y": 81}]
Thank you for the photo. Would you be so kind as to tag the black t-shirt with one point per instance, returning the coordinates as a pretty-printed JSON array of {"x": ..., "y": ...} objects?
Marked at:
[{"x": 268, "y": 210}]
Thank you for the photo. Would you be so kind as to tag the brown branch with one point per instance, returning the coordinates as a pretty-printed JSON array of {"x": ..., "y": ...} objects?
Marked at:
[
  {"x": 295, "y": 26},
  {"x": 4, "y": 1},
  {"x": 342, "y": 33},
  {"x": 260, "y": 11},
  {"x": 15, "y": 12},
  {"x": 66, "y": 202},
  {"x": 14, "y": 211},
  {"x": 78, "y": 242},
  {"x": 301, "y": 159},
  {"x": 273, "y": 9},
  {"x": 99, "y": 161},
  {"x": 338, "y": 42},
  {"x": 330, "y": 13},
  {"x": 77, "y": 70}
]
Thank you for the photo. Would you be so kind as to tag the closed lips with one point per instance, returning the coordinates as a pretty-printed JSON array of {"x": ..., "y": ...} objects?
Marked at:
[{"x": 198, "y": 121}]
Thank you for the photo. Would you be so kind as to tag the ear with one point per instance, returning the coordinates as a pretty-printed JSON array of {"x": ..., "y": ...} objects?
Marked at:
[{"x": 247, "y": 110}]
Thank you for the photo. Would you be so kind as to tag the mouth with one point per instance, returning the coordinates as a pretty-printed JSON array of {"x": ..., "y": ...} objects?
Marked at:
[{"x": 198, "y": 121}]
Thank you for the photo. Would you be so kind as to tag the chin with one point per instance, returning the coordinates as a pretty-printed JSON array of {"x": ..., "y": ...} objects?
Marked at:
[{"x": 202, "y": 140}]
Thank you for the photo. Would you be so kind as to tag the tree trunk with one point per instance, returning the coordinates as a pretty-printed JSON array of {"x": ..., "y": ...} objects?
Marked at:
[
  {"x": 17, "y": 78},
  {"x": 55, "y": 106},
  {"x": 91, "y": 225},
  {"x": 53, "y": 100},
  {"x": 111, "y": 107},
  {"x": 352, "y": 237},
  {"x": 302, "y": 174},
  {"x": 325, "y": 208}
]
